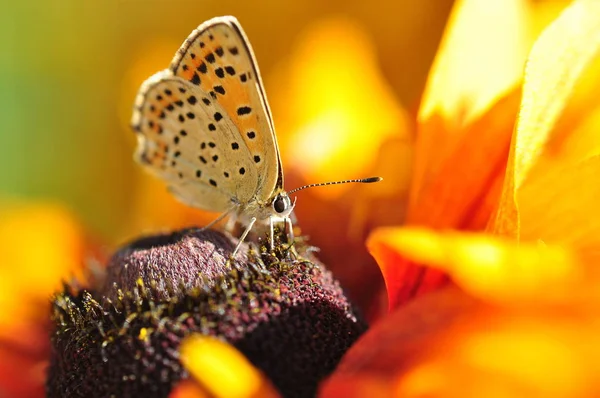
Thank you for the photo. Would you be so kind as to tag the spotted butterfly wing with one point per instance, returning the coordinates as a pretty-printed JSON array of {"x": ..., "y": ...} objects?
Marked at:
[{"x": 204, "y": 124}]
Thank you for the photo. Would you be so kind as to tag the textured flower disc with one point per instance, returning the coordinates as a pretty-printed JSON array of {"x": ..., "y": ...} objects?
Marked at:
[{"x": 121, "y": 338}]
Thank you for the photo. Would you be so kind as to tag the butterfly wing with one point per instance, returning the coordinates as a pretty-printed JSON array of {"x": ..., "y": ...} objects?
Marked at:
[
  {"x": 218, "y": 59},
  {"x": 198, "y": 154},
  {"x": 204, "y": 124}
]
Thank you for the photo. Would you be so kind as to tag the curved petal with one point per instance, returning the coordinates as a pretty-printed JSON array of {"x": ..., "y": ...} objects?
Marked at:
[
  {"x": 555, "y": 66},
  {"x": 447, "y": 344},
  {"x": 223, "y": 371},
  {"x": 392, "y": 345},
  {"x": 480, "y": 58},
  {"x": 404, "y": 279},
  {"x": 464, "y": 181},
  {"x": 188, "y": 389},
  {"x": 490, "y": 268},
  {"x": 510, "y": 355},
  {"x": 562, "y": 207}
]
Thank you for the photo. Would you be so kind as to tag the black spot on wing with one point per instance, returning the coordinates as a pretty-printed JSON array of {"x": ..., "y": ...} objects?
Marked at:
[
  {"x": 219, "y": 89},
  {"x": 244, "y": 110}
]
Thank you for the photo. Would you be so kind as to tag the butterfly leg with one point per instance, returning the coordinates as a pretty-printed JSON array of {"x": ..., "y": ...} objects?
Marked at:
[
  {"x": 243, "y": 237},
  {"x": 271, "y": 234},
  {"x": 272, "y": 221},
  {"x": 290, "y": 228}
]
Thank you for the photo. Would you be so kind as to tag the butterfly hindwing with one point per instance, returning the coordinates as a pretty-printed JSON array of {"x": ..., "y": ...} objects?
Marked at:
[
  {"x": 218, "y": 59},
  {"x": 190, "y": 141}
]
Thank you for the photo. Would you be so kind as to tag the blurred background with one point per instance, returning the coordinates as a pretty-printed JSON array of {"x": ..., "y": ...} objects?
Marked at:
[
  {"x": 344, "y": 79},
  {"x": 70, "y": 71}
]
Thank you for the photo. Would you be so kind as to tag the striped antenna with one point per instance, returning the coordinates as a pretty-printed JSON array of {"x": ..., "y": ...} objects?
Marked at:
[{"x": 322, "y": 184}]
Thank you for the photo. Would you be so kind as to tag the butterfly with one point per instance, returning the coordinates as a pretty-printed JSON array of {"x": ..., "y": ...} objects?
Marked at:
[{"x": 204, "y": 126}]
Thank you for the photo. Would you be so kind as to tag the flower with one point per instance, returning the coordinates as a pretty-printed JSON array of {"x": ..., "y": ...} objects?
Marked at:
[
  {"x": 121, "y": 335},
  {"x": 519, "y": 314},
  {"x": 509, "y": 216}
]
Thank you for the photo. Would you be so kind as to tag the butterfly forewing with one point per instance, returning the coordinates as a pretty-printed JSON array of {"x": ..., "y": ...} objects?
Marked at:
[
  {"x": 218, "y": 59},
  {"x": 201, "y": 157}
]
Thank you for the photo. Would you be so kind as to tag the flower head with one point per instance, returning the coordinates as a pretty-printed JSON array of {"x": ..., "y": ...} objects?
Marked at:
[{"x": 122, "y": 336}]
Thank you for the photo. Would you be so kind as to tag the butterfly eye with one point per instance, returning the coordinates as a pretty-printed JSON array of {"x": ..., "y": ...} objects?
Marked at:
[{"x": 282, "y": 203}]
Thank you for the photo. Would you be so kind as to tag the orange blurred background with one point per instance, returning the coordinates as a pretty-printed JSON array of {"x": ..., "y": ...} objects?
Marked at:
[
  {"x": 70, "y": 70},
  {"x": 342, "y": 79}
]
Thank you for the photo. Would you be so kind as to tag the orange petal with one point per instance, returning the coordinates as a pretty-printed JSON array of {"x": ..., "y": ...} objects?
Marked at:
[
  {"x": 393, "y": 344},
  {"x": 222, "y": 370},
  {"x": 24, "y": 362},
  {"x": 404, "y": 279},
  {"x": 189, "y": 389},
  {"x": 446, "y": 344},
  {"x": 498, "y": 355},
  {"x": 490, "y": 268},
  {"x": 456, "y": 190},
  {"x": 479, "y": 61},
  {"x": 555, "y": 66}
]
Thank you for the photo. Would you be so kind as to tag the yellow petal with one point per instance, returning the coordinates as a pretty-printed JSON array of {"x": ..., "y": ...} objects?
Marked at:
[
  {"x": 557, "y": 62},
  {"x": 222, "y": 370},
  {"x": 480, "y": 58},
  {"x": 562, "y": 208},
  {"x": 491, "y": 268}
]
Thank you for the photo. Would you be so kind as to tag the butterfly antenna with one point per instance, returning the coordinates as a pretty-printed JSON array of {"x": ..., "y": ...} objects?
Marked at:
[{"x": 322, "y": 184}]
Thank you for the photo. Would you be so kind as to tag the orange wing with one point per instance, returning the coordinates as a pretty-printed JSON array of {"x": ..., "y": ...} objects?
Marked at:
[{"x": 218, "y": 58}]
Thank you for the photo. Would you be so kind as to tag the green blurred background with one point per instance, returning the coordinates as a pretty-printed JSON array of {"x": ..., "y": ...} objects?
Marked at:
[{"x": 69, "y": 70}]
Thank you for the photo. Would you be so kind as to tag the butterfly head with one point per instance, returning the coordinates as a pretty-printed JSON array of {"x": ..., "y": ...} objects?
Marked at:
[{"x": 282, "y": 205}]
